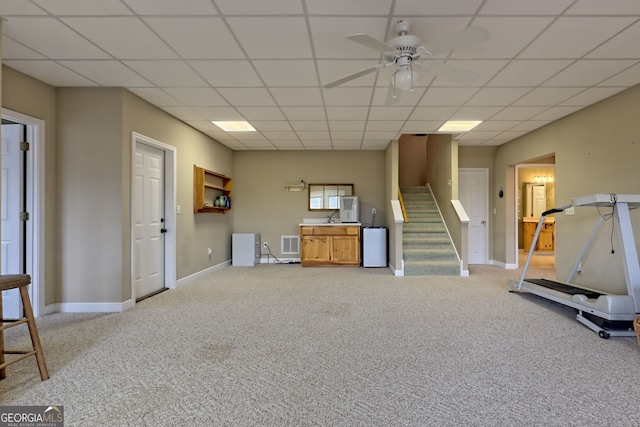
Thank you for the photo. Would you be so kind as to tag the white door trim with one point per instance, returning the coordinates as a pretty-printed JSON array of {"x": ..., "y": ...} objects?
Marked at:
[
  {"x": 35, "y": 186},
  {"x": 170, "y": 272}
]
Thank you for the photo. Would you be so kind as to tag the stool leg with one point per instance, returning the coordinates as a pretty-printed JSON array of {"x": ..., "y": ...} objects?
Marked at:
[
  {"x": 3, "y": 371},
  {"x": 33, "y": 331}
]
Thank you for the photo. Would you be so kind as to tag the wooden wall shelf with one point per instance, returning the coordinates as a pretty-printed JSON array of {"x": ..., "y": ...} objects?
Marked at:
[{"x": 207, "y": 186}]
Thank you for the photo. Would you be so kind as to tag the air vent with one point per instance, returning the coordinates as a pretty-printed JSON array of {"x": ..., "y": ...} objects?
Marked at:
[{"x": 290, "y": 245}]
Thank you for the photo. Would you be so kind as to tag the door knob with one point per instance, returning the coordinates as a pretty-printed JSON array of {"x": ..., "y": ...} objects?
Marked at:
[{"x": 483, "y": 222}]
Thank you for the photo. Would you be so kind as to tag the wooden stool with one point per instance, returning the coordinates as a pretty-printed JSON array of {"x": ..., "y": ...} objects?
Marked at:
[{"x": 21, "y": 281}]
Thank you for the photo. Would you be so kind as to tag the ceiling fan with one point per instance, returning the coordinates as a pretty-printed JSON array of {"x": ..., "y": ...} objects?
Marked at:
[{"x": 409, "y": 55}]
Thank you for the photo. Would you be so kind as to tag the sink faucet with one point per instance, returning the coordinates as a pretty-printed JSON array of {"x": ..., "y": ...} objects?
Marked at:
[{"x": 331, "y": 216}]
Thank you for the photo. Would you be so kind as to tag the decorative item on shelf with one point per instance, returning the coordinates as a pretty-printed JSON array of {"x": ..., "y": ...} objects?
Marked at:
[{"x": 295, "y": 187}]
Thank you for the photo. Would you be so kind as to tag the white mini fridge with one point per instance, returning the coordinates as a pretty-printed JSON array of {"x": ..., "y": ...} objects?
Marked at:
[
  {"x": 245, "y": 249},
  {"x": 374, "y": 247}
]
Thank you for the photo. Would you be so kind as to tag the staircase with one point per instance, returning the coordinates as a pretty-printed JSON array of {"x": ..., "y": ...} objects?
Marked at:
[{"x": 427, "y": 249}]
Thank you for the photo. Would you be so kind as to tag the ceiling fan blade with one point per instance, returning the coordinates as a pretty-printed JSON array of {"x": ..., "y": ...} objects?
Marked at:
[
  {"x": 456, "y": 74},
  {"x": 367, "y": 40},
  {"x": 353, "y": 76},
  {"x": 468, "y": 36}
]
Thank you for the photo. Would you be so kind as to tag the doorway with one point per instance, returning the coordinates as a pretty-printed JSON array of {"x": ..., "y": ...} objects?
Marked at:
[
  {"x": 153, "y": 218},
  {"x": 473, "y": 193},
  {"x": 23, "y": 206}
]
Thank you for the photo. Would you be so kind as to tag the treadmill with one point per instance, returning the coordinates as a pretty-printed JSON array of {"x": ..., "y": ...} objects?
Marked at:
[{"x": 604, "y": 313}]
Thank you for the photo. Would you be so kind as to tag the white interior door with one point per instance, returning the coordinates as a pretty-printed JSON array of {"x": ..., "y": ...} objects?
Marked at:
[
  {"x": 12, "y": 204},
  {"x": 149, "y": 220},
  {"x": 473, "y": 193}
]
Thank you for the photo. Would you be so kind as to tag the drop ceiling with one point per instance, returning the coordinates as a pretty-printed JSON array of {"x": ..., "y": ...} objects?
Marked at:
[{"x": 267, "y": 62}]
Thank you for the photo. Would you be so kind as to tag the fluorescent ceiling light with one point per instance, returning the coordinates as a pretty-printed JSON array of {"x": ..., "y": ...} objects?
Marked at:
[
  {"x": 459, "y": 125},
  {"x": 239, "y": 126}
]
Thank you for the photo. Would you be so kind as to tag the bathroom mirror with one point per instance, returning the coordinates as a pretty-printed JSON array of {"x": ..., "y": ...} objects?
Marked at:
[
  {"x": 535, "y": 199},
  {"x": 326, "y": 197}
]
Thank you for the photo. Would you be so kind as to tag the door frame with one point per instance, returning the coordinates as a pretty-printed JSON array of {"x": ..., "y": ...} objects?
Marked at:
[
  {"x": 170, "y": 158},
  {"x": 35, "y": 188},
  {"x": 485, "y": 172}
]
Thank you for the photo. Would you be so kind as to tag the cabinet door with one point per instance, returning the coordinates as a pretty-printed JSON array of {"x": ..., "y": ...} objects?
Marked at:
[
  {"x": 345, "y": 250},
  {"x": 316, "y": 249}
]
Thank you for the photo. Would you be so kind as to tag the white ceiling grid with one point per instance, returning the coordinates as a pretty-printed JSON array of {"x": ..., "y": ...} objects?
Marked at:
[{"x": 267, "y": 62}]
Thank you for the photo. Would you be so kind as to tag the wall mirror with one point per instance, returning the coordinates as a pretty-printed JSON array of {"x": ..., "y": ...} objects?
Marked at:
[
  {"x": 535, "y": 199},
  {"x": 326, "y": 197}
]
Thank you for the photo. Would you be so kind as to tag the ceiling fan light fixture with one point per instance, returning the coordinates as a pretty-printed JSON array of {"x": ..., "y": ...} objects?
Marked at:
[{"x": 405, "y": 78}]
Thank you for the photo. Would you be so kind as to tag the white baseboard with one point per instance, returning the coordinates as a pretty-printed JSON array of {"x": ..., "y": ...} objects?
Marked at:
[
  {"x": 92, "y": 307},
  {"x": 202, "y": 273},
  {"x": 272, "y": 260}
]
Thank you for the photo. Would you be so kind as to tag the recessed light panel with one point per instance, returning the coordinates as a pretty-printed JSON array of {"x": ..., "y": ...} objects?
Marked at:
[
  {"x": 459, "y": 125},
  {"x": 235, "y": 126}
]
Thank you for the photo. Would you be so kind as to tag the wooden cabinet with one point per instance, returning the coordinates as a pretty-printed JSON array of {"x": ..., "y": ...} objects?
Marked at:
[
  {"x": 330, "y": 245},
  {"x": 207, "y": 187},
  {"x": 546, "y": 239}
]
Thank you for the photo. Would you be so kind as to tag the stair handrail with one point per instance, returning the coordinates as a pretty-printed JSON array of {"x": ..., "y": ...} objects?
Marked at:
[{"x": 404, "y": 212}]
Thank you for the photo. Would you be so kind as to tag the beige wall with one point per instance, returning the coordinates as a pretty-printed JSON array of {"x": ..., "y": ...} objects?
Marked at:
[
  {"x": 261, "y": 204},
  {"x": 596, "y": 151},
  {"x": 412, "y": 152}
]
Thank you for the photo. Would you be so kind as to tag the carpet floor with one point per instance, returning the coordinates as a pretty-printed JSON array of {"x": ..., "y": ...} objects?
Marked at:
[{"x": 283, "y": 345}]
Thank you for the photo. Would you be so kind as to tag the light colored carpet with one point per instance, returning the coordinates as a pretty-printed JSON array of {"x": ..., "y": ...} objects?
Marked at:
[{"x": 282, "y": 345}]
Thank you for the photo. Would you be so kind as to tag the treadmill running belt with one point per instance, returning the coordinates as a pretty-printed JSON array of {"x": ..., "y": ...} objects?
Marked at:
[{"x": 563, "y": 287}]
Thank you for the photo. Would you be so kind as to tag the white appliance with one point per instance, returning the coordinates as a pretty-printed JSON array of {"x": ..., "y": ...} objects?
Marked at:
[
  {"x": 245, "y": 249},
  {"x": 349, "y": 209},
  {"x": 374, "y": 247}
]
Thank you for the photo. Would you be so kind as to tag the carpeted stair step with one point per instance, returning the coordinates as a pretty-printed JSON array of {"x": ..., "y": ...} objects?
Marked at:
[{"x": 427, "y": 248}]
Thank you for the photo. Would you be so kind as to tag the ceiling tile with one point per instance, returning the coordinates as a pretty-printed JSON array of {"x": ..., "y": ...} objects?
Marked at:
[
  {"x": 167, "y": 73},
  {"x": 422, "y": 126},
  {"x": 347, "y": 113},
  {"x": 519, "y": 113},
  {"x": 384, "y": 96},
  {"x": 280, "y": 136},
  {"x": 599, "y": 7},
  {"x": 14, "y": 50},
  {"x": 390, "y": 113},
  {"x": 497, "y": 96},
  {"x": 530, "y": 125},
  {"x": 623, "y": 45},
  {"x": 440, "y": 96},
  {"x": 304, "y": 113},
  {"x": 75, "y": 7},
  {"x": 49, "y": 72},
  {"x": 328, "y": 35},
  {"x": 314, "y": 135},
  {"x": 288, "y": 144},
  {"x": 346, "y": 135},
  {"x": 528, "y": 72},
  {"x": 347, "y": 96},
  {"x": 484, "y": 69},
  {"x": 547, "y": 96},
  {"x": 309, "y": 125},
  {"x": 380, "y": 136},
  {"x": 183, "y": 113},
  {"x": 591, "y": 96},
  {"x": 477, "y": 113},
  {"x": 202, "y": 37},
  {"x": 155, "y": 96},
  {"x": 219, "y": 113},
  {"x": 107, "y": 73},
  {"x": 172, "y": 7},
  {"x": 589, "y": 72},
  {"x": 436, "y": 7},
  {"x": 196, "y": 96},
  {"x": 272, "y": 125},
  {"x": 432, "y": 113},
  {"x": 203, "y": 125},
  {"x": 133, "y": 40},
  {"x": 247, "y": 96},
  {"x": 573, "y": 37},
  {"x": 51, "y": 38},
  {"x": 287, "y": 36},
  {"x": 331, "y": 70},
  {"x": 227, "y": 73},
  {"x": 347, "y": 125},
  {"x": 20, "y": 7},
  {"x": 302, "y": 96},
  {"x": 524, "y": 7},
  {"x": 261, "y": 113},
  {"x": 271, "y": 7},
  {"x": 287, "y": 72},
  {"x": 509, "y": 35},
  {"x": 497, "y": 125},
  {"x": 626, "y": 78},
  {"x": 351, "y": 7},
  {"x": 385, "y": 125}
]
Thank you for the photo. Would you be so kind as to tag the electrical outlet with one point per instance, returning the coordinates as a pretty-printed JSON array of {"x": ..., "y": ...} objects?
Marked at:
[
  {"x": 209, "y": 251},
  {"x": 373, "y": 211},
  {"x": 266, "y": 245}
]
